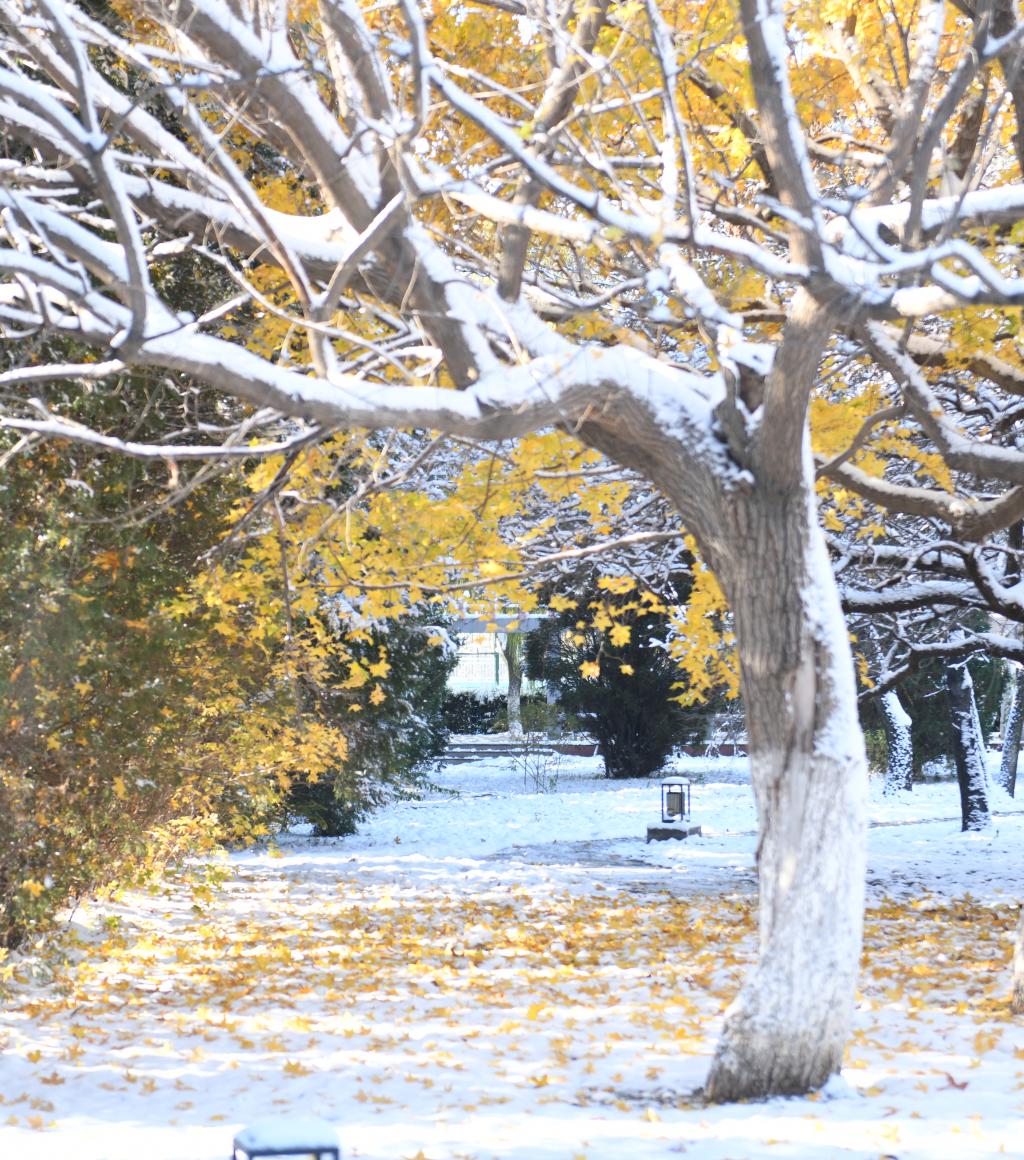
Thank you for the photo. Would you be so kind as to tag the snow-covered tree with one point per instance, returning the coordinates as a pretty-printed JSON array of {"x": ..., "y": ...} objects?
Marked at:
[
  {"x": 899, "y": 768},
  {"x": 1013, "y": 725},
  {"x": 968, "y": 747},
  {"x": 642, "y": 227}
]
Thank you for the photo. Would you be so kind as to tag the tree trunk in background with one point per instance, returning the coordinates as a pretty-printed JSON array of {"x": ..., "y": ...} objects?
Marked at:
[
  {"x": 1011, "y": 736},
  {"x": 1011, "y": 727},
  {"x": 899, "y": 768},
  {"x": 787, "y": 1029},
  {"x": 968, "y": 748},
  {"x": 512, "y": 650}
]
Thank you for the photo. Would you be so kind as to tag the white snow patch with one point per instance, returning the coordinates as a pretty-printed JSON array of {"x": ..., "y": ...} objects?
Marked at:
[{"x": 398, "y": 1072}]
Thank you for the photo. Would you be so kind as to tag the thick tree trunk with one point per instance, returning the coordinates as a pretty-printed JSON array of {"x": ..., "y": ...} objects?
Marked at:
[
  {"x": 788, "y": 1027},
  {"x": 968, "y": 748},
  {"x": 899, "y": 767},
  {"x": 1011, "y": 737},
  {"x": 755, "y": 521},
  {"x": 1017, "y": 997}
]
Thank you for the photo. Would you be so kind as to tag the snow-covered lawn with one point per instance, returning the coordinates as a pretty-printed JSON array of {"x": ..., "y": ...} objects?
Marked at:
[{"x": 518, "y": 975}]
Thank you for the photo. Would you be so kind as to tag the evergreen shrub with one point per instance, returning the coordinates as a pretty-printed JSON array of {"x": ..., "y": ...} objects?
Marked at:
[{"x": 628, "y": 708}]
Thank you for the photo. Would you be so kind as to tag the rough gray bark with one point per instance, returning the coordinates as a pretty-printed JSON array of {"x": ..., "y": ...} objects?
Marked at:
[
  {"x": 1017, "y": 998},
  {"x": 512, "y": 650},
  {"x": 809, "y": 777},
  {"x": 1011, "y": 736},
  {"x": 787, "y": 1029},
  {"x": 968, "y": 748},
  {"x": 899, "y": 769}
]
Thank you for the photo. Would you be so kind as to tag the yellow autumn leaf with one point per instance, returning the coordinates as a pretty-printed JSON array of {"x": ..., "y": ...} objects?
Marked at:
[
  {"x": 618, "y": 584},
  {"x": 591, "y": 670}
]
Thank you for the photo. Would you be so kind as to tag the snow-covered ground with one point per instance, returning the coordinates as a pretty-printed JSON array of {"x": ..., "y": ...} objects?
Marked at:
[{"x": 517, "y": 974}]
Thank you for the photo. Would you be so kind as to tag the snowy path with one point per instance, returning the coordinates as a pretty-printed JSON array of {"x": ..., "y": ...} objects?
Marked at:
[{"x": 521, "y": 977}]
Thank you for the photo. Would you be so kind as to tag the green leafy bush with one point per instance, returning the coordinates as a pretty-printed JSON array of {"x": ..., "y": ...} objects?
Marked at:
[
  {"x": 621, "y": 694},
  {"x": 391, "y": 744},
  {"x": 465, "y": 712}
]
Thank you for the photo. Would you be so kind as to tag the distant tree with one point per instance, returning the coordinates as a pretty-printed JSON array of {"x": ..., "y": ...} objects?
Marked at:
[
  {"x": 620, "y": 684},
  {"x": 512, "y": 651},
  {"x": 1012, "y": 728},
  {"x": 968, "y": 747},
  {"x": 899, "y": 769},
  {"x": 1014, "y": 722}
]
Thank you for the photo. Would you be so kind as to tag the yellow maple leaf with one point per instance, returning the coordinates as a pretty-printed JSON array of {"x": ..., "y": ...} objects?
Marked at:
[
  {"x": 619, "y": 584},
  {"x": 591, "y": 670}
]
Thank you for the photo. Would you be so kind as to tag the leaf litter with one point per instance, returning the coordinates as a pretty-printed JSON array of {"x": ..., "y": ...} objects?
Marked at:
[{"x": 522, "y": 977}]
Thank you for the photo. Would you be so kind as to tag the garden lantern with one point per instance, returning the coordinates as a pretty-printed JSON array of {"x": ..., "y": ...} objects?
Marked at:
[{"x": 675, "y": 799}]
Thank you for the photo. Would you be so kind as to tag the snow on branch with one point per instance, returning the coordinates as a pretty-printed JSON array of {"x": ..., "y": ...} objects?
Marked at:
[
  {"x": 111, "y": 183},
  {"x": 959, "y": 450}
]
